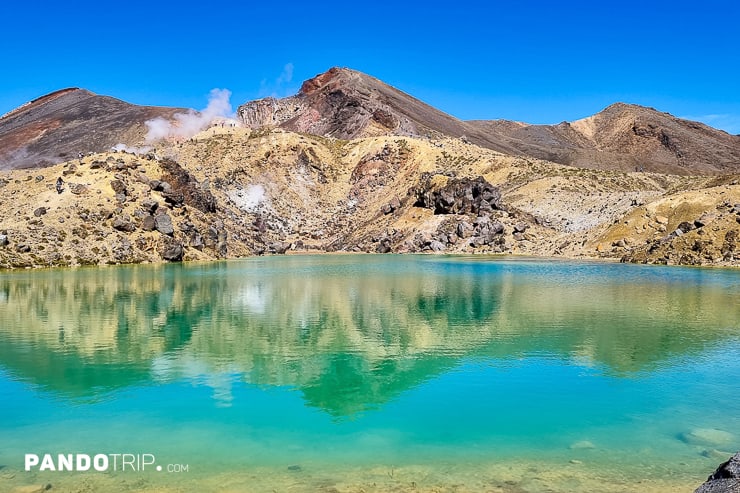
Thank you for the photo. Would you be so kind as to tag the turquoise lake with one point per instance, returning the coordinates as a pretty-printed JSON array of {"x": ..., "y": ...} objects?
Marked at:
[{"x": 372, "y": 373}]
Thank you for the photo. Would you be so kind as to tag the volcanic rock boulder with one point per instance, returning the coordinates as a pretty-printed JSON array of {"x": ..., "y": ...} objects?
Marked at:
[
  {"x": 173, "y": 251},
  {"x": 726, "y": 479},
  {"x": 182, "y": 187},
  {"x": 456, "y": 195},
  {"x": 163, "y": 224}
]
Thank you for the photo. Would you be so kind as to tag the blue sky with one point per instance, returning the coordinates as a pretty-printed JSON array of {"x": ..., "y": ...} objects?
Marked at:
[{"x": 538, "y": 62}]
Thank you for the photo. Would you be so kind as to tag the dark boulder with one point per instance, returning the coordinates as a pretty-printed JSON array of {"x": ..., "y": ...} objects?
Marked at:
[
  {"x": 726, "y": 479},
  {"x": 149, "y": 205},
  {"x": 196, "y": 241},
  {"x": 384, "y": 246},
  {"x": 436, "y": 246},
  {"x": 278, "y": 247},
  {"x": 163, "y": 224},
  {"x": 123, "y": 223},
  {"x": 148, "y": 223},
  {"x": 173, "y": 251},
  {"x": 464, "y": 229},
  {"x": 174, "y": 197},
  {"x": 457, "y": 196},
  {"x": 119, "y": 186},
  {"x": 685, "y": 227},
  {"x": 180, "y": 187}
]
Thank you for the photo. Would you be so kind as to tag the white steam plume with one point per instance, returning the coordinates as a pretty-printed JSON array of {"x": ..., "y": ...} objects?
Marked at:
[
  {"x": 131, "y": 149},
  {"x": 280, "y": 87},
  {"x": 249, "y": 199},
  {"x": 188, "y": 124}
]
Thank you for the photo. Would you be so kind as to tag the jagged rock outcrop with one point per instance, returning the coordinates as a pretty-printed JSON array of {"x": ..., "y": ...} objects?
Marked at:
[
  {"x": 271, "y": 111},
  {"x": 726, "y": 479},
  {"x": 456, "y": 196},
  {"x": 182, "y": 188}
]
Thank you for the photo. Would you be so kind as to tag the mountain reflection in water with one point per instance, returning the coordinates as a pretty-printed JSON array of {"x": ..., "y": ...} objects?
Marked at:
[{"x": 350, "y": 333}]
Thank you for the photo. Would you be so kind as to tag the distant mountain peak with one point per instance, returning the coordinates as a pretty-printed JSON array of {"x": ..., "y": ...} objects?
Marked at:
[
  {"x": 348, "y": 104},
  {"x": 333, "y": 76}
]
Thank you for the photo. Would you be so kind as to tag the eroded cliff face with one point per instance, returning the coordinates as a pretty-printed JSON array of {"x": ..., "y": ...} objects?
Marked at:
[{"x": 271, "y": 111}]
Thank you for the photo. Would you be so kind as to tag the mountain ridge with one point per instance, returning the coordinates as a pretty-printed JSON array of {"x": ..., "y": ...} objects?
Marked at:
[{"x": 347, "y": 104}]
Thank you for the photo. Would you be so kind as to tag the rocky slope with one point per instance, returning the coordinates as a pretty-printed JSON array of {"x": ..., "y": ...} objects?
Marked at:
[
  {"x": 231, "y": 192},
  {"x": 57, "y": 127}
]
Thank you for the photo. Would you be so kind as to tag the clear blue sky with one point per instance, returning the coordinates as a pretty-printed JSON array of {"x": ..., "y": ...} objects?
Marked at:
[{"x": 538, "y": 62}]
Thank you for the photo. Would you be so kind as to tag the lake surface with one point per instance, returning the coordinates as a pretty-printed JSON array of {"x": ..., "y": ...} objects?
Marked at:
[{"x": 372, "y": 373}]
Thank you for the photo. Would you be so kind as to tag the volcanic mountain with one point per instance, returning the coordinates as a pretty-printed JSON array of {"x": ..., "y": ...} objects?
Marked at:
[
  {"x": 56, "y": 127},
  {"x": 346, "y": 104}
]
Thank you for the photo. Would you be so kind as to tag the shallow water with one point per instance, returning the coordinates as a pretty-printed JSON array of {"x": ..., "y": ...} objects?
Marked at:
[{"x": 372, "y": 373}]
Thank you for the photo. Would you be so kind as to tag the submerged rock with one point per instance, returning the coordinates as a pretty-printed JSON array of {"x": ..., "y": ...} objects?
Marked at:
[
  {"x": 707, "y": 436},
  {"x": 582, "y": 445}
]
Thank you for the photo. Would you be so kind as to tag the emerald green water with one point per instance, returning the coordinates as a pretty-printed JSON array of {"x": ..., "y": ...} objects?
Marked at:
[{"x": 374, "y": 373}]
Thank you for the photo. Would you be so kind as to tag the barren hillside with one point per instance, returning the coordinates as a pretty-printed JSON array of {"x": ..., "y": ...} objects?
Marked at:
[
  {"x": 231, "y": 192},
  {"x": 57, "y": 127}
]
